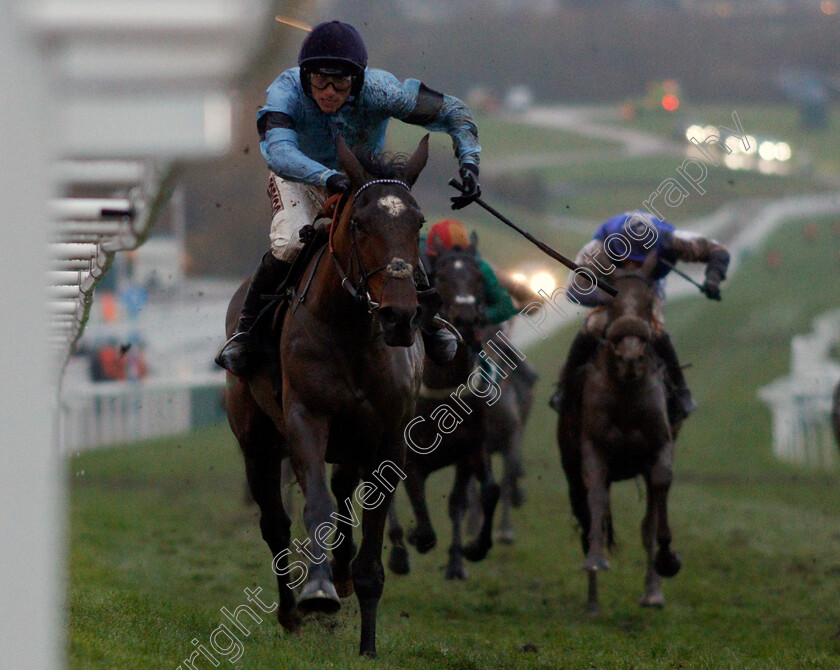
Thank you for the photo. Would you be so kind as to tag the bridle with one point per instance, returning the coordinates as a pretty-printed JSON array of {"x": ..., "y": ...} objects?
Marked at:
[
  {"x": 396, "y": 268},
  {"x": 452, "y": 257}
]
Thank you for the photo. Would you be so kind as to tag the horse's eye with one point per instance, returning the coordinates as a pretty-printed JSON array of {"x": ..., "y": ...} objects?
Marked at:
[{"x": 359, "y": 226}]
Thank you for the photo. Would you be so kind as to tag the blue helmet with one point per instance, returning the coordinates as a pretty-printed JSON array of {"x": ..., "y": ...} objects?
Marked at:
[{"x": 333, "y": 47}]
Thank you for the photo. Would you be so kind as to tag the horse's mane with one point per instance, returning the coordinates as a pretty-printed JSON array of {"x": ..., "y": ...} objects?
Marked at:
[{"x": 385, "y": 165}]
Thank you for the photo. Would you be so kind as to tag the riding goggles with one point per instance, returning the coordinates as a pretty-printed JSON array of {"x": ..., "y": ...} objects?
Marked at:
[{"x": 321, "y": 81}]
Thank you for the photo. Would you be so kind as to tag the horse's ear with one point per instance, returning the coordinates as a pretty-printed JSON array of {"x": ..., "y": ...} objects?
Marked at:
[
  {"x": 649, "y": 264},
  {"x": 350, "y": 164},
  {"x": 473, "y": 241},
  {"x": 417, "y": 162}
]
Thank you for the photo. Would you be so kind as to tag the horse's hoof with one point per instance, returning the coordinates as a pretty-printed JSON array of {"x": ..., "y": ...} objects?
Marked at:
[
  {"x": 423, "y": 542},
  {"x": 319, "y": 596},
  {"x": 654, "y": 599},
  {"x": 476, "y": 551},
  {"x": 371, "y": 654},
  {"x": 517, "y": 498},
  {"x": 344, "y": 588},
  {"x": 290, "y": 620},
  {"x": 593, "y": 608},
  {"x": 398, "y": 561},
  {"x": 667, "y": 563},
  {"x": 595, "y": 563},
  {"x": 456, "y": 571},
  {"x": 506, "y": 536}
]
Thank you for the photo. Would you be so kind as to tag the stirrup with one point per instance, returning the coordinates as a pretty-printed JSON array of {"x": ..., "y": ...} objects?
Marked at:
[{"x": 234, "y": 354}]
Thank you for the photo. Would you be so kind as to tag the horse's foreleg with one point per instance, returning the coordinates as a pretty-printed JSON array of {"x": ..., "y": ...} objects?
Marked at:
[
  {"x": 343, "y": 482},
  {"x": 597, "y": 496},
  {"x": 652, "y": 596},
  {"x": 477, "y": 549},
  {"x": 368, "y": 573},
  {"x": 398, "y": 559},
  {"x": 423, "y": 536},
  {"x": 457, "y": 502},
  {"x": 512, "y": 494},
  {"x": 307, "y": 434},
  {"x": 666, "y": 563}
]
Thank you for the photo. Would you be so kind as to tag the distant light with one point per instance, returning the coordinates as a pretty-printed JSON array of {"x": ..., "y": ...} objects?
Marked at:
[
  {"x": 543, "y": 281},
  {"x": 695, "y": 132},
  {"x": 767, "y": 150},
  {"x": 735, "y": 161},
  {"x": 519, "y": 278},
  {"x": 670, "y": 102},
  {"x": 783, "y": 152},
  {"x": 828, "y": 7},
  {"x": 708, "y": 131},
  {"x": 769, "y": 167},
  {"x": 734, "y": 144}
]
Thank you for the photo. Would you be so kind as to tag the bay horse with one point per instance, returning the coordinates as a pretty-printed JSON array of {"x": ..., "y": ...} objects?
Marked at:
[
  {"x": 461, "y": 419},
  {"x": 338, "y": 386},
  {"x": 613, "y": 425}
]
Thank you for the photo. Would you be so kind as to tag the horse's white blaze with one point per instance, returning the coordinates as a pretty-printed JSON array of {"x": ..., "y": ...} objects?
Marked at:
[
  {"x": 459, "y": 265},
  {"x": 392, "y": 204}
]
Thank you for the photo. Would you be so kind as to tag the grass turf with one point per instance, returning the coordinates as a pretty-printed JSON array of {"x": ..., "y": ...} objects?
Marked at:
[{"x": 160, "y": 538}]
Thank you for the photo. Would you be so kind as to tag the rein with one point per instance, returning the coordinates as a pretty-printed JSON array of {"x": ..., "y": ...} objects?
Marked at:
[{"x": 396, "y": 268}]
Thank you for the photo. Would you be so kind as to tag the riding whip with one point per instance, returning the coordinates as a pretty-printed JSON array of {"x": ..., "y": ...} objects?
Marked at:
[{"x": 574, "y": 267}]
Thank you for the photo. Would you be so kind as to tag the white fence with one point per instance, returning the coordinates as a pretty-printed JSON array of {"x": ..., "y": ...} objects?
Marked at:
[
  {"x": 801, "y": 403},
  {"x": 109, "y": 413}
]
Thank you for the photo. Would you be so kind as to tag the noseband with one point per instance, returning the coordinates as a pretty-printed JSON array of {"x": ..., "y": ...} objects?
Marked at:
[{"x": 396, "y": 268}]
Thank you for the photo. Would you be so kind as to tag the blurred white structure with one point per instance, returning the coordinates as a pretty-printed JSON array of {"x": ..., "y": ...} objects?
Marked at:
[
  {"x": 801, "y": 403},
  {"x": 100, "y": 97}
]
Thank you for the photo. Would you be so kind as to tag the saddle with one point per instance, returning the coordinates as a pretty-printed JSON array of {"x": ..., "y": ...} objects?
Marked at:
[{"x": 279, "y": 301}]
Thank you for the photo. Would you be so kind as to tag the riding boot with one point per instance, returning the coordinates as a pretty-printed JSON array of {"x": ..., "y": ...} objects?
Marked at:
[
  {"x": 680, "y": 402},
  {"x": 583, "y": 348},
  {"x": 440, "y": 344},
  {"x": 237, "y": 354}
]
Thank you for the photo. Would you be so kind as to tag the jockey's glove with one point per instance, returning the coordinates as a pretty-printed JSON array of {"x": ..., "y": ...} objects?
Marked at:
[
  {"x": 470, "y": 189},
  {"x": 717, "y": 264},
  {"x": 711, "y": 288},
  {"x": 338, "y": 183},
  {"x": 307, "y": 233},
  {"x": 716, "y": 268}
]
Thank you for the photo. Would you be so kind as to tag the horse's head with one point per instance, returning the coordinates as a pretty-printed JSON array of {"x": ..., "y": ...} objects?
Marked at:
[
  {"x": 459, "y": 281},
  {"x": 628, "y": 343},
  {"x": 636, "y": 289},
  {"x": 380, "y": 245}
]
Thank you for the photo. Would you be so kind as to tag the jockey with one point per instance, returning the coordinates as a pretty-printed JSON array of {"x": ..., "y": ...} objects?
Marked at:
[
  {"x": 333, "y": 93},
  {"x": 624, "y": 241},
  {"x": 451, "y": 234}
]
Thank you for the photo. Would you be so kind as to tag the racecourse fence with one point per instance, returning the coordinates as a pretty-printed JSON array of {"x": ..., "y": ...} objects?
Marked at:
[
  {"x": 801, "y": 402},
  {"x": 102, "y": 414}
]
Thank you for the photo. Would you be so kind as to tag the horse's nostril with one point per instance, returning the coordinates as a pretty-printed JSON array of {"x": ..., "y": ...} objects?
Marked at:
[{"x": 387, "y": 316}]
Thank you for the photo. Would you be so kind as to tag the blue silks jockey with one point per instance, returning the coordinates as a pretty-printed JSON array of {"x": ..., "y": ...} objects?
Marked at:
[
  {"x": 332, "y": 93},
  {"x": 625, "y": 240}
]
